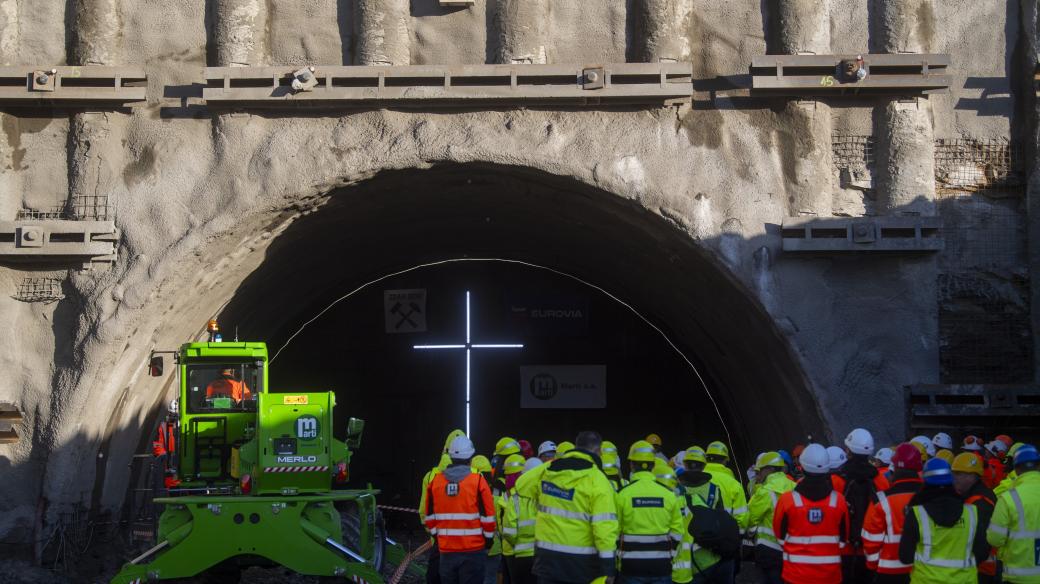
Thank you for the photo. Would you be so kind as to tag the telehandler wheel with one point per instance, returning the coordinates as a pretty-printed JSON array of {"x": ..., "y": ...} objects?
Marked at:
[{"x": 351, "y": 522}]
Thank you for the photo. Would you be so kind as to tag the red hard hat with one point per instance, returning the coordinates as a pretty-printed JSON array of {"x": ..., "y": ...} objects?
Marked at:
[
  {"x": 1006, "y": 440},
  {"x": 907, "y": 457},
  {"x": 526, "y": 449}
]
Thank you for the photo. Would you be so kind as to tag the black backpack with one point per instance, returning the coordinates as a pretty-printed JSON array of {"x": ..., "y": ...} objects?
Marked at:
[
  {"x": 712, "y": 528},
  {"x": 858, "y": 494}
]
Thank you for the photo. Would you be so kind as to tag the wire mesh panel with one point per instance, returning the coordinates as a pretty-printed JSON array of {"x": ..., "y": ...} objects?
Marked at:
[
  {"x": 90, "y": 207},
  {"x": 41, "y": 215},
  {"x": 852, "y": 151},
  {"x": 39, "y": 290},
  {"x": 978, "y": 165},
  {"x": 983, "y": 291}
]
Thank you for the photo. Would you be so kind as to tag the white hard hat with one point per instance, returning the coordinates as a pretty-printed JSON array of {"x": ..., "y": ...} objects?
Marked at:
[
  {"x": 929, "y": 446},
  {"x": 532, "y": 463},
  {"x": 461, "y": 449},
  {"x": 884, "y": 455},
  {"x": 545, "y": 447},
  {"x": 836, "y": 457},
  {"x": 814, "y": 459},
  {"x": 677, "y": 460},
  {"x": 174, "y": 406},
  {"x": 860, "y": 441},
  {"x": 943, "y": 440},
  {"x": 997, "y": 447}
]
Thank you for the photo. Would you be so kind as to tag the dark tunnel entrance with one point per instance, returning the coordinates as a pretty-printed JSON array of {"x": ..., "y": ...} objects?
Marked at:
[{"x": 411, "y": 398}]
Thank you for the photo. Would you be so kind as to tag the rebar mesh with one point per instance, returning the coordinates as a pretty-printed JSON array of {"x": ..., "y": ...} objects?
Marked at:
[
  {"x": 977, "y": 165},
  {"x": 90, "y": 207},
  {"x": 39, "y": 290},
  {"x": 852, "y": 152},
  {"x": 983, "y": 291},
  {"x": 39, "y": 215}
]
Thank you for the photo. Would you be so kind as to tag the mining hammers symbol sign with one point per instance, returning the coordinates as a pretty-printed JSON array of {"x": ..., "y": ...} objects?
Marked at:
[{"x": 405, "y": 311}]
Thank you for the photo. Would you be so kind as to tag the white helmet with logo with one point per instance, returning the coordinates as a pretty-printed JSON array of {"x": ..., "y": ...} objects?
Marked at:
[
  {"x": 814, "y": 459},
  {"x": 943, "y": 440},
  {"x": 461, "y": 449},
  {"x": 836, "y": 458},
  {"x": 860, "y": 441}
]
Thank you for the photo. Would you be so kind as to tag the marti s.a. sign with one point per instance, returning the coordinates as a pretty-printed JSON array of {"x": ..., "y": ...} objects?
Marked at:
[{"x": 563, "y": 387}]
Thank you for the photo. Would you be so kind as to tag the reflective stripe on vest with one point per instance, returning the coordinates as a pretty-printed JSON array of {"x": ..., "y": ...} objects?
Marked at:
[
  {"x": 926, "y": 546},
  {"x": 573, "y": 549},
  {"x": 576, "y": 514}
]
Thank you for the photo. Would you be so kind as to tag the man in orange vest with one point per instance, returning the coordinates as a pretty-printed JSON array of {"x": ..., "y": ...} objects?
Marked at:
[
  {"x": 811, "y": 522},
  {"x": 227, "y": 386},
  {"x": 883, "y": 526},
  {"x": 164, "y": 448},
  {"x": 460, "y": 515}
]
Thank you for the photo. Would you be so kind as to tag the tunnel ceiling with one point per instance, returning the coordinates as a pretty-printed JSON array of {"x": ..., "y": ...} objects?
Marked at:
[{"x": 403, "y": 218}]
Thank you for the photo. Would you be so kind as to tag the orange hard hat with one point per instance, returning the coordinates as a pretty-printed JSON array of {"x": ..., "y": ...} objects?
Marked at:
[
  {"x": 1005, "y": 439},
  {"x": 654, "y": 439},
  {"x": 797, "y": 450}
]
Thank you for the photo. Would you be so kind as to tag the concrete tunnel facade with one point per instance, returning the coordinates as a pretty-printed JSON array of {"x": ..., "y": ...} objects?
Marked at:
[{"x": 675, "y": 209}]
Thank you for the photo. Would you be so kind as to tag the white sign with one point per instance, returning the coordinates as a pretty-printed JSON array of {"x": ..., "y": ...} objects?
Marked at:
[
  {"x": 563, "y": 386},
  {"x": 405, "y": 310}
]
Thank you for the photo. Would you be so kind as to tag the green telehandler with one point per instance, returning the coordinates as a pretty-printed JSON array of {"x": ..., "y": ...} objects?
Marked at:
[{"x": 253, "y": 478}]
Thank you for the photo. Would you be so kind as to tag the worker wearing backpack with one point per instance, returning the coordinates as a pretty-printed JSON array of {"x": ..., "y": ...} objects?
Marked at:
[
  {"x": 859, "y": 482},
  {"x": 711, "y": 539}
]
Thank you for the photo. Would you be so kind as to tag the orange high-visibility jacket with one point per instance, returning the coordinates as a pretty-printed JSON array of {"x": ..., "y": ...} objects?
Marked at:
[
  {"x": 813, "y": 534},
  {"x": 461, "y": 515},
  {"x": 883, "y": 527},
  {"x": 988, "y": 567},
  {"x": 226, "y": 387}
]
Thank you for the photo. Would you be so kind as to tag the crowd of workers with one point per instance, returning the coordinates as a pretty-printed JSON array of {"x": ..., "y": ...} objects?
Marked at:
[{"x": 921, "y": 512}]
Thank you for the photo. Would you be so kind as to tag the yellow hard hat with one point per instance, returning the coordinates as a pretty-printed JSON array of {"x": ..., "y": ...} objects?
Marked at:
[
  {"x": 767, "y": 459},
  {"x": 514, "y": 464},
  {"x": 608, "y": 447},
  {"x": 967, "y": 462},
  {"x": 611, "y": 464},
  {"x": 564, "y": 447},
  {"x": 718, "y": 449},
  {"x": 1014, "y": 448},
  {"x": 452, "y": 436},
  {"x": 945, "y": 455},
  {"x": 480, "y": 463},
  {"x": 600, "y": 580},
  {"x": 507, "y": 446},
  {"x": 695, "y": 454},
  {"x": 921, "y": 448},
  {"x": 641, "y": 451},
  {"x": 654, "y": 439},
  {"x": 664, "y": 473}
]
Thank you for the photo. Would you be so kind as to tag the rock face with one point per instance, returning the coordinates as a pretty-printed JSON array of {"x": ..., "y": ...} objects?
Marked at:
[{"x": 204, "y": 199}]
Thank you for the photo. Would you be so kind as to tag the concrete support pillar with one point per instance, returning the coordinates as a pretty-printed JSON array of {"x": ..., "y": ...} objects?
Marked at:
[
  {"x": 382, "y": 32},
  {"x": 10, "y": 186},
  {"x": 239, "y": 30},
  {"x": 803, "y": 26},
  {"x": 662, "y": 31},
  {"x": 94, "y": 137},
  {"x": 520, "y": 26},
  {"x": 904, "y": 129}
]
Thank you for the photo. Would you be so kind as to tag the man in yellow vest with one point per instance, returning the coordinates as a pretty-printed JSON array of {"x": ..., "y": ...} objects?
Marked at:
[
  {"x": 771, "y": 482},
  {"x": 516, "y": 524},
  {"x": 1015, "y": 527},
  {"x": 577, "y": 526},
  {"x": 649, "y": 520},
  {"x": 942, "y": 537},
  {"x": 692, "y": 562},
  {"x": 734, "y": 499}
]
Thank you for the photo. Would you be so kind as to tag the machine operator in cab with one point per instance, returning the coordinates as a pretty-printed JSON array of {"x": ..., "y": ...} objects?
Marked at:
[{"x": 226, "y": 385}]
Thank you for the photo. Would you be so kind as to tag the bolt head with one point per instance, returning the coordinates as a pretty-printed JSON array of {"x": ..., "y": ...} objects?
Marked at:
[
  {"x": 29, "y": 236},
  {"x": 592, "y": 76},
  {"x": 43, "y": 78}
]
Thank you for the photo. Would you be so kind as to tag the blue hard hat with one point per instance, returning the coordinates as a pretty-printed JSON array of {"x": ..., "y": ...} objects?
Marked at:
[
  {"x": 1026, "y": 453},
  {"x": 937, "y": 472},
  {"x": 787, "y": 458}
]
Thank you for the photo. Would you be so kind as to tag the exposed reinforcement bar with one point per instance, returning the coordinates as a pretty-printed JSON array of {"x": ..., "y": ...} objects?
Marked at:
[
  {"x": 58, "y": 241},
  {"x": 458, "y": 86},
  {"x": 849, "y": 75},
  {"x": 71, "y": 86}
]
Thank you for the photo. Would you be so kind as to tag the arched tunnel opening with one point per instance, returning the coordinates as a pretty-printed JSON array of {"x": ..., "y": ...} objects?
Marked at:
[{"x": 601, "y": 293}]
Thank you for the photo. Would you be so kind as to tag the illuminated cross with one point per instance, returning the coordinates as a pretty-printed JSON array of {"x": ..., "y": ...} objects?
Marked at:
[{"x": 469, "y": 347}]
